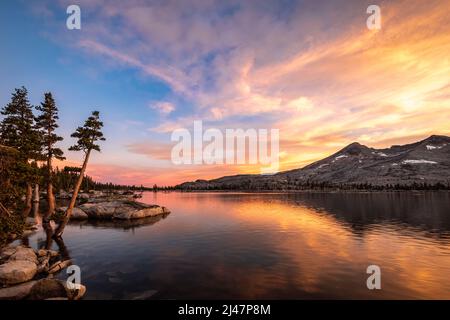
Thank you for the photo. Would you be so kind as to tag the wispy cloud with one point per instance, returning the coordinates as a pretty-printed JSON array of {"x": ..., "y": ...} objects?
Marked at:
[
  {"x": 163, "y": 107},
  {"x": 311, "y": 69},
  {"x": 152, "y": 149}
]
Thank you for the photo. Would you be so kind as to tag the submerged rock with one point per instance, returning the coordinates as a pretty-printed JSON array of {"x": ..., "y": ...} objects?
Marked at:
[
  {"x": 120, "y": 223},
  {"x": 115, "y": 280},
  {"x": 143, "y": 295},
  {"x": 46, "y": 289},
  {"x": 54, "y": 289}
]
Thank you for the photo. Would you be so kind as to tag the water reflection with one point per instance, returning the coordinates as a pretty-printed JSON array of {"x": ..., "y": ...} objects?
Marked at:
[
  {"x": 130, "y": 224},
  {"x": 426, "y": 211},
  {"x": 49, "y": 239},
  {"x": 296, "y": 246}
]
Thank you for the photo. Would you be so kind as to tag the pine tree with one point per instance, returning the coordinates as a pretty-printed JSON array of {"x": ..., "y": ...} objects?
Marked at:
[
  {"x": 9, "y": 189},
  {"x": 87, "y": 136},
  {"x": 46, "y": 124},
  {"x": 17, "y": 131},
  {"x": 17, "y": 127}
]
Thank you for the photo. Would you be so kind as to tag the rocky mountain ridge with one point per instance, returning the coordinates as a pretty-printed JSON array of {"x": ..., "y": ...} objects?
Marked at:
[{"x": 420, "y": 165}]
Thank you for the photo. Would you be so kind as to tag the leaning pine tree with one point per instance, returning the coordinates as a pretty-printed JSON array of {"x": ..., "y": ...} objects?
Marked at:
[
  {"x": 46, "y": 123},
  {"x": 17, "y": 131},
  {"x": 87, "y": 136}
]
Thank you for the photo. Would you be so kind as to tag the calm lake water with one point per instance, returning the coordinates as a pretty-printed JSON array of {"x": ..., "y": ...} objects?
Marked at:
[{"x": 274, "y": 246}]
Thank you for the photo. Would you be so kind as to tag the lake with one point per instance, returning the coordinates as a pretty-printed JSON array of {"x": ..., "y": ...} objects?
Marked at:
[{"x": 268, "y": 246}]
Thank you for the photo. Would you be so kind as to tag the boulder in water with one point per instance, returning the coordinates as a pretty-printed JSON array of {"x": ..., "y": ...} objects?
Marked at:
[
  {"x": 17, "y": 271},
  {"x": 77, "y": 213},
  {"x": 122, "y": 209}
]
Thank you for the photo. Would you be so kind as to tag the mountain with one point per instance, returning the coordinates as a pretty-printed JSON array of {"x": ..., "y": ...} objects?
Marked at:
[{"x": 423, "y": 164}]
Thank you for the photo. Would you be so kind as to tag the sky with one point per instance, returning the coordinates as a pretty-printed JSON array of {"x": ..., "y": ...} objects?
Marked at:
[{"x": 311, "y": 69}]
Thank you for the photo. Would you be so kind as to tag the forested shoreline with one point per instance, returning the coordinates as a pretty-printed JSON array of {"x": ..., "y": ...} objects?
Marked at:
[{"x": 28, "y": 148}]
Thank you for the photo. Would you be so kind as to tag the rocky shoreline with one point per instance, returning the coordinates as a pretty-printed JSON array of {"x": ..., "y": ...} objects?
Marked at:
[{"x": 29, "y": 274}]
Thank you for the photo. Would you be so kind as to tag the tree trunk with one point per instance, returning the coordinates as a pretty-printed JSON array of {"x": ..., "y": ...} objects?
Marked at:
[
  {"x": 51, "y": 200},
  {"x": 59, "y": 231},
  {"x": 48, "y": 232},
  {"x": 50, "y": 196},
  {"x": 36, "y": 203},
  {"x": 36, "y": 193},
  {"x": 28, "y": 199}
]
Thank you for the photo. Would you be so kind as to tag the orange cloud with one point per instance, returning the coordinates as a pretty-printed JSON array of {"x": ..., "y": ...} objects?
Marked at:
[{"x": 322, "y": 89}]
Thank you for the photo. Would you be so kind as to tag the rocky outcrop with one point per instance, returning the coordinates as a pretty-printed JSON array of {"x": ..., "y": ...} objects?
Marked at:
[
  {"x": 17, "y": 292},
  {"x": 20, "y": 266},
  {"x": 51, "y": 289},
  {"x": 77, "y": 213},
  {"x": 143, "y": 212},
  {"x": 47, "y": 288},
  {"x": 24, "y": 254},
  {"x": 17, "y": 271},
  {"x": 122, "y": 210},
  {"x": 117, "y": 209},
  {"x": 6, "y": 252}
]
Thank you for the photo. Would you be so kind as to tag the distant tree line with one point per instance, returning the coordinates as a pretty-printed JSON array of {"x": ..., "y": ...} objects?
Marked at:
[
  {"x": 293, "y": 185},
  {"x": 63, "y": 180}
]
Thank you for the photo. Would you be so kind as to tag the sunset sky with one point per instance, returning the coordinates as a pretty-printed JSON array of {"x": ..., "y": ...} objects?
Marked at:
[{"x": 311, "y": 69}]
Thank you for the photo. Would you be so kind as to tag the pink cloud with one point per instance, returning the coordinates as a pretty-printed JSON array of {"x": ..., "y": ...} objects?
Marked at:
[
  {"x": 163, "y": 107},
  {"x": 324, "y": 82}
]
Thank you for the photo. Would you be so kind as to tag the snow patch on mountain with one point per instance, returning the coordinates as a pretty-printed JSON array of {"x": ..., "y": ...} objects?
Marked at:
[
  {"x": 418, "y": 162},
  {"x": 431, "y": 147},
  {"x": 381, "y": 154}
]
